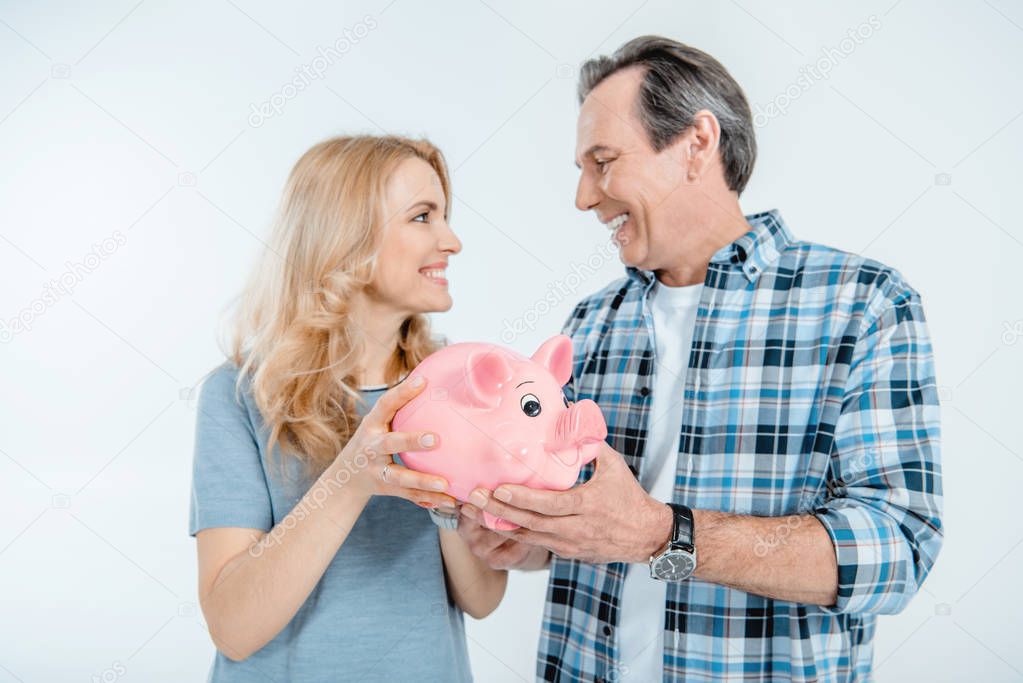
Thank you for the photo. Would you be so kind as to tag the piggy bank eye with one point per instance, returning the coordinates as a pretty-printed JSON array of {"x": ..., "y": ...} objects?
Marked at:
[{"x": 530, "y": 405}]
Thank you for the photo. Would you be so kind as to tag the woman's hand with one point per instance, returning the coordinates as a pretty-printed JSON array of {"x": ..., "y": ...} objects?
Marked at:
[
  {"x": 368, "y": 453},
  {"x": 496, "y": 549}
]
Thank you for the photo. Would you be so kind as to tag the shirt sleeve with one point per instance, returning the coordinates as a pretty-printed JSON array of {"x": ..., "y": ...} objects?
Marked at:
[
  {"x": 883, "y": 504},
  {"x": 229, "y": 487}
]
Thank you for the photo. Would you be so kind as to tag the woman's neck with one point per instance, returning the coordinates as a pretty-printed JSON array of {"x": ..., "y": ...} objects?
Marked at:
[{"x": 381, "y": 328}]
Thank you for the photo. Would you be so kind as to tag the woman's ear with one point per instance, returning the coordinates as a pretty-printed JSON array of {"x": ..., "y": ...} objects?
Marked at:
[{"x": 555, "y": 354}]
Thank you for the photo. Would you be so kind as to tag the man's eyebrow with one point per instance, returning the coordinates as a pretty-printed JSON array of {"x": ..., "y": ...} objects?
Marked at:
[
  {"x": 592, "y": 151},
  {"x": 528, "y": 381}
]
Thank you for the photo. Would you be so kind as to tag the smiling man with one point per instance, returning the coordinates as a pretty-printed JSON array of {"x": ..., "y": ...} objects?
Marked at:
[{"x": 771, "y": 478}]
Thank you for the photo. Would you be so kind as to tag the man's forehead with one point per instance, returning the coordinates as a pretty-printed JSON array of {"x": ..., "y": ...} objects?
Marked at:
[{"x": 600, "y": 129}]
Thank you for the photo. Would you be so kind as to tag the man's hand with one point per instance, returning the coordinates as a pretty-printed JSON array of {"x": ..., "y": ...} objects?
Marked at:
[
  {"x": 610, "y": 518},
  {"x": 499, "y": 552}
]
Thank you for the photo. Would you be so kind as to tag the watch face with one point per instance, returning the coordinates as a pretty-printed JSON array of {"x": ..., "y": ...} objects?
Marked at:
[{"x": 674, "y": 565}]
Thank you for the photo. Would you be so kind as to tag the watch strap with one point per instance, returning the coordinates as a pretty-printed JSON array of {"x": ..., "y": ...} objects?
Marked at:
[{"x": 682, "y": 531}]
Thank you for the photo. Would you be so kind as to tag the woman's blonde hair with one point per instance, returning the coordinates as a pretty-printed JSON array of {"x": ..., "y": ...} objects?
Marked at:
[{"x": 293, "y": 331}]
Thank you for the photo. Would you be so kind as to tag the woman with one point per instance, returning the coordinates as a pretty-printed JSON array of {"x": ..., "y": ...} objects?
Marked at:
[{"x": 314, "y": 561}]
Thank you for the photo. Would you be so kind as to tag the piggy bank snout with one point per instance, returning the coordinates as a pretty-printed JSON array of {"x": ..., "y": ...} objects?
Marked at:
[{"x": 582, "y": 421}]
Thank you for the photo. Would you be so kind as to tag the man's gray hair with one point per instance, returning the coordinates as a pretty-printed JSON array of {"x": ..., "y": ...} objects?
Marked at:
[{"x": 679, "y": 81}]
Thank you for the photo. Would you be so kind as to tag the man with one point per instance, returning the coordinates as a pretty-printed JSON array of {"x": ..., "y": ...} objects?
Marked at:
[{"x": 771, "y": 480}]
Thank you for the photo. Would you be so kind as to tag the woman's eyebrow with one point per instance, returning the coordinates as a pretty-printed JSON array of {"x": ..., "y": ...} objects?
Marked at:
[{"x": 432, "y": 206}]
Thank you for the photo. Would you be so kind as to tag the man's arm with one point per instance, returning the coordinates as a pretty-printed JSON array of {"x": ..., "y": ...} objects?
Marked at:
[
  {"x": 866, "y": 548},
  {"x": 610, "y": 518}
]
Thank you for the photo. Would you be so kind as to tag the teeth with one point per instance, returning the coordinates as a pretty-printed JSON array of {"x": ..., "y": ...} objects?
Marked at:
[
  {"x": 617, "y": 222},
  {"x": 435, "y": 274}
]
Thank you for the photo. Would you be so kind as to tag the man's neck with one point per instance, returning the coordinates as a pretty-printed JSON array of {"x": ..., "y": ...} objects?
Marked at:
[{"x": 719, "y": 225}]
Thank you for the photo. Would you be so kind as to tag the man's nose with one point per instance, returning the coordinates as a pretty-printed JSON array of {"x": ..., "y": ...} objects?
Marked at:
[{"x": 587, "y": 195}]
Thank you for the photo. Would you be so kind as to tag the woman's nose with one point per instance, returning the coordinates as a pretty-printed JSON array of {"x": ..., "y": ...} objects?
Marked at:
[{"x": 449, "y": 241}]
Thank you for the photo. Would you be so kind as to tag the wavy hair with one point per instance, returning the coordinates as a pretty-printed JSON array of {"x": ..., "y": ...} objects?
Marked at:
[{"x": 293, "y": 331}]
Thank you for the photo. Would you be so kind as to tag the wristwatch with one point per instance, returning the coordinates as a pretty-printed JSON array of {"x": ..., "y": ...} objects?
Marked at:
[
  {"x": 445, "y": 520},
  {"x": 677, "y": 561}
]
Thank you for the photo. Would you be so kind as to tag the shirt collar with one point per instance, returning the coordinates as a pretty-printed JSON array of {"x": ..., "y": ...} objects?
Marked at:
[{"x": 754, "y": 252}]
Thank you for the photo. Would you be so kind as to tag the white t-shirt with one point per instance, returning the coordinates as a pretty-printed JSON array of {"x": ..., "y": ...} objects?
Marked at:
[{"x": 641, "y": 609}]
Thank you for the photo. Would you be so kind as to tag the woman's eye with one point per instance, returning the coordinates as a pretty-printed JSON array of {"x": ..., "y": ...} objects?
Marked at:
[
  {"x": 530, "y": 405},
  {"x": 424, "y": 216}
]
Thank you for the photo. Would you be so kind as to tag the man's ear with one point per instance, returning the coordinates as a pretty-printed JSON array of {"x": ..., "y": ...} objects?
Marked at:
[{"x": 701, "y": 143}]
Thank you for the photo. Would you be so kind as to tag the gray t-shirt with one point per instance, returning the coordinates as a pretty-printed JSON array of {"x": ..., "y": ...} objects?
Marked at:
[{"x": 380, "y": 612}]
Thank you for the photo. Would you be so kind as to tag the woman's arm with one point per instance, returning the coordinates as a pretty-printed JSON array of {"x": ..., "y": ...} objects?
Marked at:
[
  {"x": 473, "y": 585},
  {"x": 251, "y": 583}
]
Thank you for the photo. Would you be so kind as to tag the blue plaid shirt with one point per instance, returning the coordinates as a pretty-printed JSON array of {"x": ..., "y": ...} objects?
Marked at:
[{"x": 810, "y": 390}]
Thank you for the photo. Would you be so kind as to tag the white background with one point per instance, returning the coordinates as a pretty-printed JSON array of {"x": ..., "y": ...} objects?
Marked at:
[{"x": 136, "y": 118}]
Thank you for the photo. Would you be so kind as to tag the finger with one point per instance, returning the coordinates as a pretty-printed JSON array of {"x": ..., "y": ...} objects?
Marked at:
[
  {"x": 484, "y": 542},
  {"x": 396, "y": 397},
  {"x": 425, "y": 499},
  {"x": 404, "y": 478},
  {"x": 526, "y": 518},
  {"x": 546, "y": 541},
  {"x": 400, "y": 442},
  {"x": 549, "y": 503}
]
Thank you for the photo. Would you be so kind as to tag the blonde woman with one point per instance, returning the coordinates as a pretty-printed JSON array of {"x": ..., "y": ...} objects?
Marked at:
[{"x": 316, "y": 559}]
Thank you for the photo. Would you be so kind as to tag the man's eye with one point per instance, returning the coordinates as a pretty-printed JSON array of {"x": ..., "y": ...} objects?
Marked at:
[
  {"x": 602, "y": 165},
  {"x": 424, "y": 216}
]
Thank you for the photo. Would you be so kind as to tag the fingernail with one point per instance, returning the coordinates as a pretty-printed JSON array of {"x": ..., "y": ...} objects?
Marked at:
[
  {"x": 478, "y": 498},
  {"x": 417, "y": 381},
  {"x": 502, "y": 495},
  {"x": 440, "y": 484},
  {"x": 427, "y": 439}
]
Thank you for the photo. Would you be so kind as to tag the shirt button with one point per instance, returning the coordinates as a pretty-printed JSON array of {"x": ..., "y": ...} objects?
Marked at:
[
  {"x": 607, "y": 630},
  {"x": 644, "y": 391}
]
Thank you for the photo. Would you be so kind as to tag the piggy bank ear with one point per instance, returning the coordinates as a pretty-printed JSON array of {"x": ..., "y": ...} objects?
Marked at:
[
  {"x": 485, "y": 373},
  {"x": 555, "y": 354}
]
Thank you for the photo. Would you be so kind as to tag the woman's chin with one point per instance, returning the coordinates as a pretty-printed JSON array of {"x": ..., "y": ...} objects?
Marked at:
[{"x": 436, "y": 304}]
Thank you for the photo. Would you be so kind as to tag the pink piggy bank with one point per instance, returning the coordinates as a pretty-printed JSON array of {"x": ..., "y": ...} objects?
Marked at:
[{"x": 502, "y": 419}]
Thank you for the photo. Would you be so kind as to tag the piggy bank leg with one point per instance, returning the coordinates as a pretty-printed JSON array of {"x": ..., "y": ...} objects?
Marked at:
[{"x": 498, "y": 524}]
